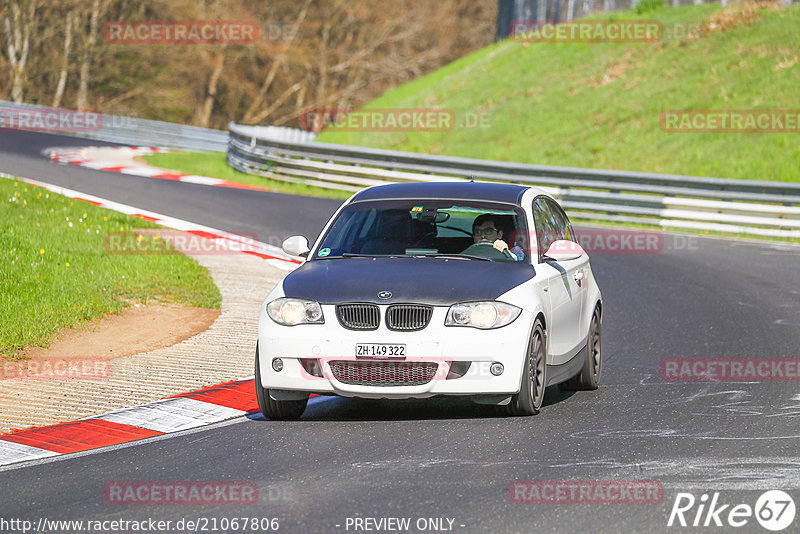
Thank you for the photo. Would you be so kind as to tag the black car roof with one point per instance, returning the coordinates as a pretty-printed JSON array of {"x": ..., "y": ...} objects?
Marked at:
[{"x": 507, "y": 193}]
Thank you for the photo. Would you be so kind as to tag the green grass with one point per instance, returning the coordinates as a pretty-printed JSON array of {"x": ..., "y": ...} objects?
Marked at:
[
  {"x": 213, "y": 164},
  {"x": 598, "y": 105},
  {"x": 55, "y": 272}
]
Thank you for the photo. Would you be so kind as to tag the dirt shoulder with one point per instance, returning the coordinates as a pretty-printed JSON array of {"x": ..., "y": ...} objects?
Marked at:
[
  {"x": 152, "y": 353},
  {"x": 139, "y": 328}
]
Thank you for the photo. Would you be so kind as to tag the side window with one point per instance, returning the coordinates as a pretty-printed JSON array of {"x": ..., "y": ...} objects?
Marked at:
[
  {"x": 564, "y": 230},
  {"x": 546, "y": 231}
]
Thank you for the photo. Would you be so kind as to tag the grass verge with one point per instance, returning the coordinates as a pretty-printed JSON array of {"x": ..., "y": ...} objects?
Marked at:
[
  {"x": 55, "y": 272},
  {"x": 598, "y": 105}
]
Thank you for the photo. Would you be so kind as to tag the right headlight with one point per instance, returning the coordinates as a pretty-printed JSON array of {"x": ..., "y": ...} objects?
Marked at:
[
  {"x": 483, "y": 315},
  {"x": 291, "y": 312}
]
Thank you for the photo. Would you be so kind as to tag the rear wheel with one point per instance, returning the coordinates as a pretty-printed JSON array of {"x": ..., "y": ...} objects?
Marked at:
[
  {"x": 589, "y": 376},
  {"x": 275, "y": 409},
  {"x": 534, "y": 380}
]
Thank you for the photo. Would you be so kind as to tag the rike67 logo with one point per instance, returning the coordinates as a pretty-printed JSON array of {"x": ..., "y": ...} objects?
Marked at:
[{"x": 774, "y": 510}]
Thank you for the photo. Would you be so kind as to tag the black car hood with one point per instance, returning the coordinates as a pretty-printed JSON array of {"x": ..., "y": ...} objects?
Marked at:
[{"x": 433, "y": 281}]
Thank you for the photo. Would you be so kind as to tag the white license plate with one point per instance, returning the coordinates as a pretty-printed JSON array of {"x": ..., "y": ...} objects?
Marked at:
[{"x": 391, "y": 351}]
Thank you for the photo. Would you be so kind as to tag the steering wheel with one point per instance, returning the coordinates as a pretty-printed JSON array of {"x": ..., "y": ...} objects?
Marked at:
[{"x": 485, "y": 249}]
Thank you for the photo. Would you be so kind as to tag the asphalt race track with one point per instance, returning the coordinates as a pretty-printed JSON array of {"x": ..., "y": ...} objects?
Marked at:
[{"x": 346, "y": 459}]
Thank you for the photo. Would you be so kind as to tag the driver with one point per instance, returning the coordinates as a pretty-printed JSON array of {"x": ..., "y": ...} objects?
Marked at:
[{"x": 485, "y": 229}]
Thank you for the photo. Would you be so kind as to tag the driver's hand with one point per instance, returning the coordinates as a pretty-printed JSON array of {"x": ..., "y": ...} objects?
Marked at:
[{"x": 500, "y": 245}]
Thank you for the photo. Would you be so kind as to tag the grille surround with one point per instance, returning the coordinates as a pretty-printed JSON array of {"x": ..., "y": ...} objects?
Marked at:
[
  {"x": 383, "y": 374},
  {"x": 358, "y": 316},
  {"x": 408, "y": 317}
]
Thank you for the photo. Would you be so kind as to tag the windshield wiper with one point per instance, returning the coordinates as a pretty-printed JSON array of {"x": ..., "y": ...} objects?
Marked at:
[
  {"x": 452, "y": 256},
  {"x": 457, "y": 256},
  {"x": 356, "y": 255}
]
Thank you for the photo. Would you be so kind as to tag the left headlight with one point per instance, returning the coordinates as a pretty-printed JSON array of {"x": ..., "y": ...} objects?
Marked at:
[
  {"x": 483, "y": 315},
  {"x": 291, "y": 312}
]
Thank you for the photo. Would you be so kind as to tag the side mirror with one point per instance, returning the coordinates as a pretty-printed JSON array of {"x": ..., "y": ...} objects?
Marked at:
[
  {"x": 296, "y": 245},
  {"x": 564, "y": 250}
]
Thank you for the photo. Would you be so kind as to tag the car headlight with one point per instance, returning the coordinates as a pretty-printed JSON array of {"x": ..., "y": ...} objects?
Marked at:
[
  {"x": 291, "y": 312},
  {"x": 483, "y": 315}
]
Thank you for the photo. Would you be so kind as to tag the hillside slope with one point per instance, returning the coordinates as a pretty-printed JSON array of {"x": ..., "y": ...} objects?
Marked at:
[{"x": 599, "y": 104}]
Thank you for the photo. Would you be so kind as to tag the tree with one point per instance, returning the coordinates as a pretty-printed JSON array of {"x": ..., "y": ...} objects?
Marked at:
[
  {"x": 97, "y": 10},
  {"x": 18, "y": 24}
]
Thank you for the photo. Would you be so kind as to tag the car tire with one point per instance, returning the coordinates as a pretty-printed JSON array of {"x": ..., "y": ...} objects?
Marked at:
[
  {"x": 534, "y": 376},
  {"x": 589, "y": 377},
  {"x": 275, "y": 409}
]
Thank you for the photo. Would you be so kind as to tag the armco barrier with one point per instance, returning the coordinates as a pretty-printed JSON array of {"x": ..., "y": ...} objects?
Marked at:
[
  {"x": 136, "y": 132},
  {"x": 737, "y": 206}
]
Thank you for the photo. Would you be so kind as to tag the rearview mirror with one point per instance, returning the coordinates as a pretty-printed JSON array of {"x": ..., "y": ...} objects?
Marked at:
[
  {"x": 296, "y": 245},
  {"x": 433, "y": 216},
  {"x": 564, "y": 250}
]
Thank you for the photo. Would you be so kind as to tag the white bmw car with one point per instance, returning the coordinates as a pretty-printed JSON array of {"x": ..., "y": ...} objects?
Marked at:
[{"x": 416, "y": 290}]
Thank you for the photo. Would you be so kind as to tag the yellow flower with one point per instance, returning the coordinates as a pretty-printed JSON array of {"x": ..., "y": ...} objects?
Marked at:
[
  {"x": 84, "y": 215},
  {"x": 16, "y": 184},
  {"x": 105, "y": 218},
  {"x": 140, "y": 238},
  {"x": 121, "y": 228},
  {"x": 71, "y": 203},
  {"x": 41, "y": 251},
  {"x": 67, "y": 264}
]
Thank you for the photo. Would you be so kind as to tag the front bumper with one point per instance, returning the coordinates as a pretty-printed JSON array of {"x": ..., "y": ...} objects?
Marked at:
[{"x": 436, "y": 343}]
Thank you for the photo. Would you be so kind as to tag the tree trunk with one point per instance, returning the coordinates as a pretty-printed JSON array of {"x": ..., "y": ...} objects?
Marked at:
[
  {"x": 18, "y": 39},
  {"x": 86, "y": 56},
  {"x": 273, "y": 71},
  {"x": 208, "y": 104},
  {"x": 62, "y": 79}
]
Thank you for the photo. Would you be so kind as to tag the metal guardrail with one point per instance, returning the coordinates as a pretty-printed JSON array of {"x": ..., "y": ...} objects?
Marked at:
[
  {"x": 143, "y": 132},
  {"x": 737, "y": 206},
  {"x": 116, "y": 128}
]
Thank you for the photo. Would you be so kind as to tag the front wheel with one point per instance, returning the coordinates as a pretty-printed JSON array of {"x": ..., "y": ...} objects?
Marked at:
[
  {"x": 275, "y": 409},
  {"x": 534, "y": 380},
  {"x": 589, "y": 376}
]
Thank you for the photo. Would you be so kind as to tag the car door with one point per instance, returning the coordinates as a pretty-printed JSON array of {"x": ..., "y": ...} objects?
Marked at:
[{"x": 564, "y": 281}]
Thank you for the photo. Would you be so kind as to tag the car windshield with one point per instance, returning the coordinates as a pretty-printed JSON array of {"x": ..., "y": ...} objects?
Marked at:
[{"x": 427, "y": 228}]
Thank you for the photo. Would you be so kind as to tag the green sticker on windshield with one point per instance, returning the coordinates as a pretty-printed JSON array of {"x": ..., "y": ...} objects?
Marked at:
[
  {"x": 324, "y": 252},
  {"x": 416, "y": 209}
]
